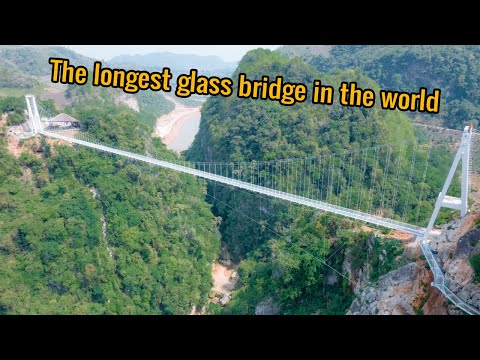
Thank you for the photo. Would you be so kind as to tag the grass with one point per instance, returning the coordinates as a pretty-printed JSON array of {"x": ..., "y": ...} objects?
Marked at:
[
  {"x": 36, "y": 90},
  {"x": 475, "y": 262}
]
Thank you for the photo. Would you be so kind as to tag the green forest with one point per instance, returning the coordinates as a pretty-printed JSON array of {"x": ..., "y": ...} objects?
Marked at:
[
  {"x": 84, "y": 232},
  {"x": 281, "y": 251},
  {"x": 453, "y": 69},
  {"x": 20, "y": 64}
]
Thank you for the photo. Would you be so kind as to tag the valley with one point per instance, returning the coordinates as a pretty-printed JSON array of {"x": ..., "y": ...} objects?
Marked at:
[
  {"x": 86, "y": 232},
  {"x": 178, "y": 128}
]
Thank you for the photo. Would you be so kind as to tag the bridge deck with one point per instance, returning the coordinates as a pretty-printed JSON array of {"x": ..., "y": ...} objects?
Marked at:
[
  {"x": 353, "y": 214},
  {"x": 439, "y": 278}
]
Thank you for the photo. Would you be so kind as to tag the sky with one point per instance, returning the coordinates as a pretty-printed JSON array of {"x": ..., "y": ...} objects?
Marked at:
[{"x": 225, "y": 52}]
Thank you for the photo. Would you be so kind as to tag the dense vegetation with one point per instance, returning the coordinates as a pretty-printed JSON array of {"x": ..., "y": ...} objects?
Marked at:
[
  {"x": 33, "y": 60},
  {"x": 150, "y": 104},
  {"x": 378, "y": 256},
  {"x": 20, "y": 65},
  {"x": 453, "y": 69},
  {"x": 12, "y": 77},
  {"x": 283, "y": 245},
  {"x": 475, "y": 262},
  {"x": 305, "y": 52},
  {"x": 15, "y": 107},
  {"x": 84, "y": 232}
]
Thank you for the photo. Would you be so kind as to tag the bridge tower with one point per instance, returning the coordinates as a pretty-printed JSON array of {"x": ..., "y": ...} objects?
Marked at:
[
  {"x": 443, "y": 200},
  {"x": 33, "y": 115}
]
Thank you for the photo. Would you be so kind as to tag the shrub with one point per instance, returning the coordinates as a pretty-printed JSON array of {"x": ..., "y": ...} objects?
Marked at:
[
  {"x": 15, "y": 119},
  {"x": 11, "y": 103},
  {"x": 475, "y": 262}
]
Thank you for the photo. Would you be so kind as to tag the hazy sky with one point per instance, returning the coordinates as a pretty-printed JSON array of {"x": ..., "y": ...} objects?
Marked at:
[{"x": 226, "y": 52}]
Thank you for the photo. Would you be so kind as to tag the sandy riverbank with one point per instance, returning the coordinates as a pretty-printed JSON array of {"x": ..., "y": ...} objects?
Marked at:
[
  {"x": 225, "y": 279},
  {"x": 169, "y": 125}
]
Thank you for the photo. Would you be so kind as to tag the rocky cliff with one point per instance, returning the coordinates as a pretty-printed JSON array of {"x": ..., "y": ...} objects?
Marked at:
[
  {"x": 407, "y": 290},
  {"x": 396, "y": 293},
  {"x": 457, "y": 244}
]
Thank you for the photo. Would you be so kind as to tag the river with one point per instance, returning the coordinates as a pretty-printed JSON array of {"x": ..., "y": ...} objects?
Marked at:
[
  {"x": 179, "y": 127},
  {"x": 186, "y": 133}
]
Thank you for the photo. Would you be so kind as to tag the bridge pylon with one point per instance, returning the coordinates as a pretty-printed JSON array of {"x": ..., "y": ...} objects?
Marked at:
[
  {"x": 443, "y": 200},
  {"x": 33, "y": 115},
  {"x": 451, "y": 202}
]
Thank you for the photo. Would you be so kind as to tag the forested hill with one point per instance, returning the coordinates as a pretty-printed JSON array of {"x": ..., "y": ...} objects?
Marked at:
[
  {"x": 247, "y": 129},
  {"x": 278, "y": 245},
  {"x": 19, "y": 64},
  {"x": 83, "y": 232},
  {"x": 12, "y": 77},
  {"x": 453, "y": 69},
  {"x": 178, "y": 63},
  {"x": 305, "y": 52}
]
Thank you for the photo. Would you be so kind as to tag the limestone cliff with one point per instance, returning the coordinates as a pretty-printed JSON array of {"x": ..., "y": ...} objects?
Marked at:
[
  {"x": 455, "y": 247},
  {"x": 408, "y": 290}
]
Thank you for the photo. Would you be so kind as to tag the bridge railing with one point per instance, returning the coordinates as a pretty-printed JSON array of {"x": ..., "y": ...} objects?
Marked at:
[
  {"x": 336, "y": 209},
  {"x": 440, "y": 283},
  {"x": 439, "y": 277},
  {"x": 330, "y": 162}
]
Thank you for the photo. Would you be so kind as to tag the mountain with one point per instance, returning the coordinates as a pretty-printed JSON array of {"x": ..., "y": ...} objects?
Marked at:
[
  {"x": 455, "y": 69},
  {"x": 13, "y": 77},
  {"x": 33, "y": 60},
  {"x": 22, "y": 67},
  {"x": 279, "y": 245},
  {"x": 305, "y": 52},
  {"x": 177, "y": 62},
  {"x": 83, "y": 232}
]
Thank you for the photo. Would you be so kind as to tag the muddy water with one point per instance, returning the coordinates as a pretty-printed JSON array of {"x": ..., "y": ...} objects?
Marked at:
[{"x": 186, "y": 133}]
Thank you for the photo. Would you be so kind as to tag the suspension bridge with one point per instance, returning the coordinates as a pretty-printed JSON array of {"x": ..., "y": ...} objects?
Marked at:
[{"x": 384, "y": 185}]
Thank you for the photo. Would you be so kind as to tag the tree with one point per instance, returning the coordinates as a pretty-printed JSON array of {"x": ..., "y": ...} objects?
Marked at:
[
  {"x": 15, "y": 118},
  {"x": 12, "y": 104}
]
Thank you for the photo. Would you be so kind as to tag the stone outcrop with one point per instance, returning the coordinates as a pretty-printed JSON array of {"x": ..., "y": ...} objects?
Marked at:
[
  {"x": 267, "y": 307},
  {"x": 396, "y": 293},
  {"x": 459, "y": 272},
  {"x": 408, "y": 290}
]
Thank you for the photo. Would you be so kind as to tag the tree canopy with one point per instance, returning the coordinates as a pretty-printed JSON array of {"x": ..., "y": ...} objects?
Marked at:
[
  {"x": 282, "y": 247},
  {"x": 88, "y": 233},
  {"x": 453, "y": 69}
]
